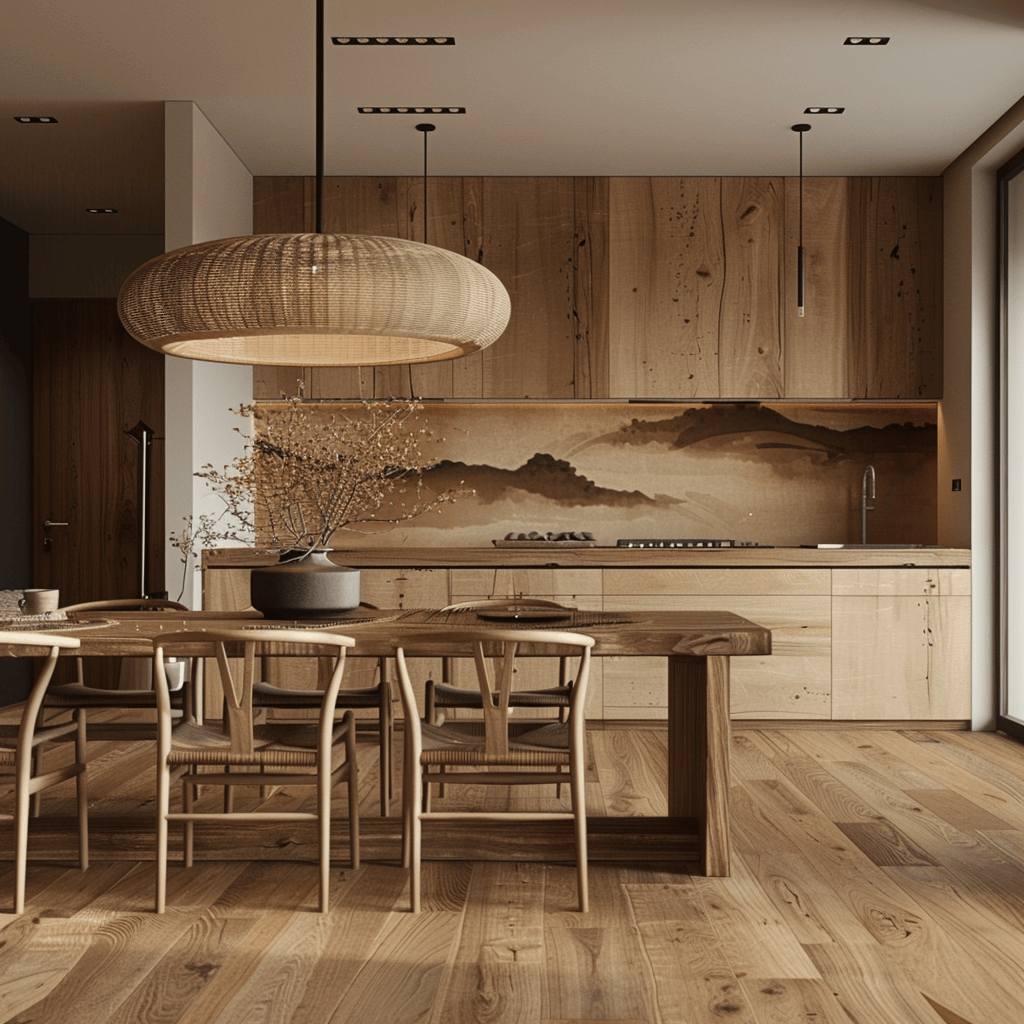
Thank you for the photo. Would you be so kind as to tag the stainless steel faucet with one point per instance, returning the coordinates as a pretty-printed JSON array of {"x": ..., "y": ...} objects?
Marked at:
[{"x": 869, "y": 476}]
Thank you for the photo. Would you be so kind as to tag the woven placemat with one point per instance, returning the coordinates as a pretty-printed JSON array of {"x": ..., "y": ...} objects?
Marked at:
[{"x": 40, "y": 625}]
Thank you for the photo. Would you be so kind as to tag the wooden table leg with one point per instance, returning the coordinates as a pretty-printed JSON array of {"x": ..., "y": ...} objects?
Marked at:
[{"x": 698, "y": 752}]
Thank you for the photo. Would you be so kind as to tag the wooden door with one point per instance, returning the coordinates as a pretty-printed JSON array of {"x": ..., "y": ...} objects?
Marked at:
[{"x": 92, "y": 383}]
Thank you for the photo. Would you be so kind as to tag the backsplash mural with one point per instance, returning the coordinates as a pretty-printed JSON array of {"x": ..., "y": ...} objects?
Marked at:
[{"x": 772, "y": 474}]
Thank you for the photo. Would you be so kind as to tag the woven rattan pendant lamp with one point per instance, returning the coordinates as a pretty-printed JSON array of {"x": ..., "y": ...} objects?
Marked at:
[{"x": 314, "y": 299}]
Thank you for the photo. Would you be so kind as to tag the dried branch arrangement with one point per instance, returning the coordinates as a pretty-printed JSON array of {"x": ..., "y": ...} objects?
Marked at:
[{"x": 306, "y": 475}]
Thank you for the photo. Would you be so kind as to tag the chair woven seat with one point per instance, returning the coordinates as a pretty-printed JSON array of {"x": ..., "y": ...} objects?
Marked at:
[
  {"x": 265, "y": 695},
  {"x": 9, "y": 739},
  {"x": 75, "y": 695},
  {"x": 550, "y": 737},
  {"x": 448, "y": 696}
]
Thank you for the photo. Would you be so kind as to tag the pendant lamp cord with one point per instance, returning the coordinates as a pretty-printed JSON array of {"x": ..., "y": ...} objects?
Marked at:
[
  {"x": 426, "y": 129},
  {"x": 800, "y": 261},
  {"x": 319, "y": 200}
]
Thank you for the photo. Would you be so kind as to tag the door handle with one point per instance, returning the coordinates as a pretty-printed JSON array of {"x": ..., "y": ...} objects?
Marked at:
[{"x": 49, "y": 522}]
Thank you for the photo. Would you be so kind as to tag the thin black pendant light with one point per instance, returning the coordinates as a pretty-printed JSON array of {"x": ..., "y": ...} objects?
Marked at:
[
  {"x": 426, "y": 129},
  {"x": 314, "y": 299},
  {"x": 800, "y": 264}
]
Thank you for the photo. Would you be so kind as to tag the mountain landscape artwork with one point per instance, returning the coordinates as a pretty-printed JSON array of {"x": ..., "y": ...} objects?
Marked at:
[{"x": 771, "y": 474}]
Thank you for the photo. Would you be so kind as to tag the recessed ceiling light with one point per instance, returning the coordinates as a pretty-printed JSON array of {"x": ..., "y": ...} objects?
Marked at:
[
  {"x": 412, "y": 110},
  {"x": 393, "y": 40},
  {"x": 824, "y": 110},
  {"x": 866, "y": 41},
  {"x": 26, "y": 119},
  {"x": 100, "y": 209}
]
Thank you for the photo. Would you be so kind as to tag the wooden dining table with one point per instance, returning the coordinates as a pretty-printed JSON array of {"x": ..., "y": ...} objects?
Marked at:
[{"x": 696, "y": 646}]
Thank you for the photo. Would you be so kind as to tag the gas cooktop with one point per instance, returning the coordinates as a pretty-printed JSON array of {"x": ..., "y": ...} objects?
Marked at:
[{"x": 687, "y": 542}]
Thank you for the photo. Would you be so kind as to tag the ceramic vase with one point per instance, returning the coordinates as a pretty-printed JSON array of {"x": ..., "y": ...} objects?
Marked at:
[{"x": 309, "y": 588}]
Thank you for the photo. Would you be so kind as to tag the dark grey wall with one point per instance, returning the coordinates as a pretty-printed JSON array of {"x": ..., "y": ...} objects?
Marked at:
[{"x": 15, "y": 434}]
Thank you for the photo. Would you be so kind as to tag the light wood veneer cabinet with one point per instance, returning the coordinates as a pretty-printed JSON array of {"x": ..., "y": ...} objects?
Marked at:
[
  {"x": 901, "y": 644},
  {"x": 659, "y": 287},
  {"x": 885, "y": 644}
]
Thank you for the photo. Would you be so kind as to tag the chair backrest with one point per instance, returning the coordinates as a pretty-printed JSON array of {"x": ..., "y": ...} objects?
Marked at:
[
  {"x": 251, "y": 645},
  {"x": 494, "y": 653},
  {"x": 10, "y": 641}
]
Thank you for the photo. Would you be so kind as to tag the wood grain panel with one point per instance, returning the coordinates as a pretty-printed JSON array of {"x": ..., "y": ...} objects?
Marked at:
[
  {"x": 660, "y": 287},
  {"x": 667, "y": 271},
  {"x": 528, "y": 241},
  {"x": 901, "y": 657},
  {"x": 750, "y": 341},
  {"x": 896, "y": 331},
  {"x": 474, "y": 584},
  {"x": 894, "y": 945},
  {"x": 699, "y": 707},
  {"x": 590, "y": 298},
  {"x": 404, "y": 588},
  {"x": 935, "y": 582},
  {"x": 816, "y": 344},
  {"x": 793, "y": 682},
  {"x": 783, "y": 582},
  {"x": 92, "y": 383},
  {"x": 793, "y": 560}
]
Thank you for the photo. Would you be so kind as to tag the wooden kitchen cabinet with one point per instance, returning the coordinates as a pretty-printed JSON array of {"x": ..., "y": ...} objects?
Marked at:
[
  {"x": 901, "y": 644},
  {"x": 659, "y": 287},
  {"x": 872, "y": 326},
  {"x": 876, "y": 636},
  {"x": 792, "y": 683}
]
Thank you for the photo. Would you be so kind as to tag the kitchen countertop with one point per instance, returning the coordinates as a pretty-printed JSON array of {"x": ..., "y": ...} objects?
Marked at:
[{"x": 611, "y": 557}]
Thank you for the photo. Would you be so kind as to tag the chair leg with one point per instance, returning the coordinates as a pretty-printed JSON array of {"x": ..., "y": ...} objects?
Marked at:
[
  {"x": 415, "y": 840},
  {"x": 386, "y": 727},
  {"x": 82, "y": 791},
  {"x": 579, "y": 809},
  {"x": 323, "y": 815},
  {"x": 408, "y": 807},
  {"x": 37, "y": 796},
  {"x": 22, "y": 805},
  {"x": 188, "y": 805},
  {"x": 351, "y": 760},
  {"x": 163, "y": 806}
]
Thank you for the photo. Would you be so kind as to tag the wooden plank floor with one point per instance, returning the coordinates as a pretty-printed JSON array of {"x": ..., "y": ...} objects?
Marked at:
[{"x": 878, "y": 880}]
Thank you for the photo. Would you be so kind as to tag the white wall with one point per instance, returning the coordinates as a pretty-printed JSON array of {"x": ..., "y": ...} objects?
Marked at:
[
  {"x": 968, "y": 427},
  {"x": 208, "y": 195}
]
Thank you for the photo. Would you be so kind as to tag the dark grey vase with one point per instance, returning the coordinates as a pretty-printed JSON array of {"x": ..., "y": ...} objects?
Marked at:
[{"x": 313, "y": 588}]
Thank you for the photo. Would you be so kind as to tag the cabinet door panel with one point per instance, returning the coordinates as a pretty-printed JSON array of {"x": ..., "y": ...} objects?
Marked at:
[
  {"x": 781, "y": 686},
  {"x": 635, "y": 688},
  {"x": 933, "y": 582},
  {"x": 665, "y": 582},
  {"x": 901, "y": 658},
  {"x": 552, "y": 584},
  {"x": 667, "y": 273},
  {"x": 793, "y": 682},
  {"x": 404, "y": 588}
]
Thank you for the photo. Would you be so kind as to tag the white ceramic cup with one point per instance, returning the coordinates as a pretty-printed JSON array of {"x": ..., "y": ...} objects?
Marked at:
[{"x": 38, "y": 602}]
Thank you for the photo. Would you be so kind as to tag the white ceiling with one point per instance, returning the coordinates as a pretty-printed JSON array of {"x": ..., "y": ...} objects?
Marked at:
[{"x": 607, "y": 87}]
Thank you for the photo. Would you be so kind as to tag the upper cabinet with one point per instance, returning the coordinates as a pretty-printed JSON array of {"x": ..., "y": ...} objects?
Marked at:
[
  {"x": 678, "y": 288},
  {"x": 873, "y": 319}
]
